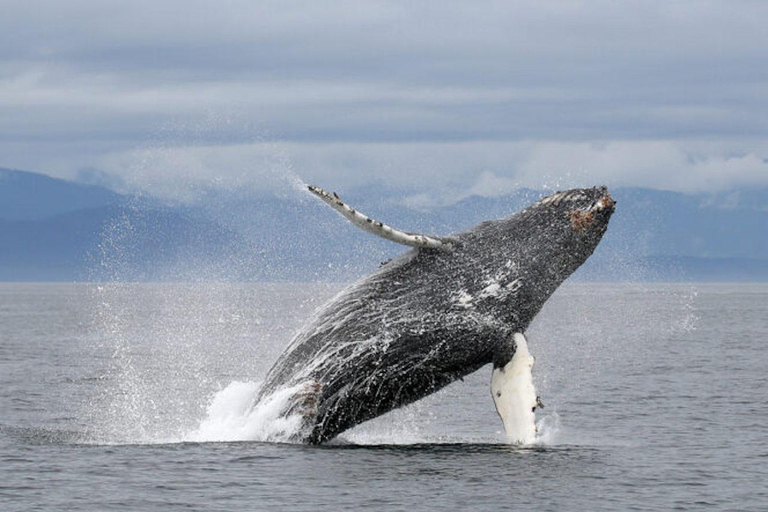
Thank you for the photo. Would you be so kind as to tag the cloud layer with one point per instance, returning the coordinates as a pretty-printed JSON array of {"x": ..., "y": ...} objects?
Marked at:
[{"x": 450, "y": 96}]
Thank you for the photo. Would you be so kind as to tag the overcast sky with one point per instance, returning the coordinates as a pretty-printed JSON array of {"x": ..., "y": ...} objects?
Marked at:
[{"x": 446, "y": 97}]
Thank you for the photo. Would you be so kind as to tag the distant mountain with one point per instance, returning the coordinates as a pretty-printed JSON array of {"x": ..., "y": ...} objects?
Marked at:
[
  {"x": 57, "y": 230},
  {"x": 112, "y": 242},
  {"x": 668, "y": 236},
  {"x": 692, "y": 225},
  {"x": 30, "y": 196}
]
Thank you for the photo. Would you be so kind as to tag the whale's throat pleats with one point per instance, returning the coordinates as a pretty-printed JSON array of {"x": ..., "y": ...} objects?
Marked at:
[{"x": 513, "y": 392}]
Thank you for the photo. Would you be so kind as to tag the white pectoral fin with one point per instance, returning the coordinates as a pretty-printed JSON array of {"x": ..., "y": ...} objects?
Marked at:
[
  {"x": 514, "y": 394},
  {"x": 379, "y": 228}
]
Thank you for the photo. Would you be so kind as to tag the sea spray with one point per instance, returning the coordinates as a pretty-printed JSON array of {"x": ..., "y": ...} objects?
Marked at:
[
  {"x": 548, "y": 429},
  {"x": 167, "y": 348},
  {"x": 232, "y": 417}
]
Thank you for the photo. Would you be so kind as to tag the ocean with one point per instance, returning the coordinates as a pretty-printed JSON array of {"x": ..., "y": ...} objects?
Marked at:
[{"x": 136, "y": 397}]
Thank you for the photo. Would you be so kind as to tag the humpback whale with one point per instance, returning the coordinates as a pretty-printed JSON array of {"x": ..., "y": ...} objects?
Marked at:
[{"x": 436, "y": 313}]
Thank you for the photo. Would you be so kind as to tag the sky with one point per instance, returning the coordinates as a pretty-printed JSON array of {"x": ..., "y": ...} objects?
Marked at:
[{"x": 447, "y": 98}]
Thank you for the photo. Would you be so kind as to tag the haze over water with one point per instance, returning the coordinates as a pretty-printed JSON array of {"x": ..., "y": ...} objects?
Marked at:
[{"x": 132, "y": 397}]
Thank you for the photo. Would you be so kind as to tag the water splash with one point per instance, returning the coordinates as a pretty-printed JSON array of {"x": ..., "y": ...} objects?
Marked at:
[
  {"x": 548, "y": 429},
  {"x": 689, "y": 320},
  {"x": 165, "y": 348},
  {"x": 232, "y": 417}
]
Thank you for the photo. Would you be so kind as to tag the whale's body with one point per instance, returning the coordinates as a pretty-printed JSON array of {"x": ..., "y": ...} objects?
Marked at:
[{"x": 434, "y": 315}]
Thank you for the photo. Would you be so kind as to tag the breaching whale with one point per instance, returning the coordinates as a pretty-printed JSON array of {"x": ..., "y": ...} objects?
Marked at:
[{"x": 435, "y": 314}]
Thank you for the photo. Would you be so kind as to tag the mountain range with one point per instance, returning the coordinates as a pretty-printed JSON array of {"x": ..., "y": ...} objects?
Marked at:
[{"x": 57, "y": 230}]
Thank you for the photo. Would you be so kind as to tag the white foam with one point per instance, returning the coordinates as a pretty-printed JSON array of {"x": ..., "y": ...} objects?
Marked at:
[{"x": 231, "y": 417}]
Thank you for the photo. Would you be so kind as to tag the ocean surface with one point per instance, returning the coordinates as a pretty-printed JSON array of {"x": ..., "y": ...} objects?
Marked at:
[{"x": 135, "y": 397}]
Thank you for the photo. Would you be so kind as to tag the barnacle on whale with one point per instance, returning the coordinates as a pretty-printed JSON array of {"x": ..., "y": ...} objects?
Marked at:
[{"x": 581, "y": 220}]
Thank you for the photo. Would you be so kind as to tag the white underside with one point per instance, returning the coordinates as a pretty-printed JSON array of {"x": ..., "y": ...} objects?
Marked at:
[{"x": 515, "y": 396}]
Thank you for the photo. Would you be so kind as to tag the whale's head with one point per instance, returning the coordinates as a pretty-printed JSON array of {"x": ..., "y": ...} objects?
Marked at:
[
  {"x": 575, "y": 218},
  {"x": 550, "y": 239},
  {"x": 569, "y": 225}
]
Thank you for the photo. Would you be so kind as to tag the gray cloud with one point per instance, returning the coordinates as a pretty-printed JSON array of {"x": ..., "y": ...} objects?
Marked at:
[{"x": 660, "y": 87}]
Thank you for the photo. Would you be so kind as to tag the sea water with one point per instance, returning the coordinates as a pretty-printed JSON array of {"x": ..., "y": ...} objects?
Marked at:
[{"x": 138, "y": 397}]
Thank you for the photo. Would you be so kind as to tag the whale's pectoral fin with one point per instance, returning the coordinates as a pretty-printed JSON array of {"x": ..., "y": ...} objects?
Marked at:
[
  {"x": 513, "y": 392},
  {"x": 378, "y": 228}
]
